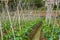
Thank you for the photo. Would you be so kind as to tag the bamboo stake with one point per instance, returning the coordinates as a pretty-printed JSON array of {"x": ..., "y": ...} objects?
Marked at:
[
  {"x": 1, "y": 31},
  {"x": 6, "y": 5}
]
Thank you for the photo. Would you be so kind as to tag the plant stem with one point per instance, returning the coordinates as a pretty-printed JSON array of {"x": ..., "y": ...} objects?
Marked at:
[{"x": 1, "y": 31}]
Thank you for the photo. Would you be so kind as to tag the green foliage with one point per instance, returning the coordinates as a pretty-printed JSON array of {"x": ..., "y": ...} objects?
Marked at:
[
  {"x": 1, "y": 5},
  {"x": 24, "y": 3},
  {"x": 50, "y": 31},
  {"x": 27, "y": 28},
  {"x": 55, "y": 7},
  {"x": 39, "y": 3},
  {"x": 20, "y": 34}
]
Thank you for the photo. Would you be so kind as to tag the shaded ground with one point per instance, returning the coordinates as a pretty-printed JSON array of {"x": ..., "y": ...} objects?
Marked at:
[{"x": 37, "y": 35}]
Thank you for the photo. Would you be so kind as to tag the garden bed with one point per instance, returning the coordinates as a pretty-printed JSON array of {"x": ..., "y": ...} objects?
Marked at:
[
  {"x": 27, "y": 31},
  {"x": 49, "y": 31}
]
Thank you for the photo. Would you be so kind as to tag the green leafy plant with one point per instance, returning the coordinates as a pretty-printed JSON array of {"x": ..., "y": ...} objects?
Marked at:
[
  {"x": 20, "y": 34},
  {"x": 50, "y": 31}
]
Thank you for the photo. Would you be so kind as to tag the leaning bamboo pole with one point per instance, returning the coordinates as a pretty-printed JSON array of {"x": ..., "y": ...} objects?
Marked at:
[{"x": 6, "y": 6}]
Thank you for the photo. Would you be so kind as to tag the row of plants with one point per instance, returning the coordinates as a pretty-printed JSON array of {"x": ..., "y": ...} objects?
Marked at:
[
  {"x": 21, "y": 33},
  {"x": 27, "y": 28},
  {"x": 51, "y": 30}
]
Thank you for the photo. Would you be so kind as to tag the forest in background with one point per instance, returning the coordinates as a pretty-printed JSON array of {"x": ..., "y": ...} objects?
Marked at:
[{"x": 25, "y": 4}]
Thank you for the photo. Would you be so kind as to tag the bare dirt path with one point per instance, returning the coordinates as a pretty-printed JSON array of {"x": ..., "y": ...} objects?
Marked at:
[
  {"x": 36, "y": 32},
  {"x": 37, "y": 35}
]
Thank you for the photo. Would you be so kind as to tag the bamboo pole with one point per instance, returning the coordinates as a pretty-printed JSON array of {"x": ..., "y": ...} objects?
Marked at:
[
  {"x": 1, "y": 31},
  {"x": 6, "y": 6},
  {"x": 49, "y": 11}
]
